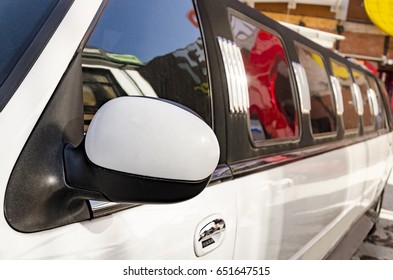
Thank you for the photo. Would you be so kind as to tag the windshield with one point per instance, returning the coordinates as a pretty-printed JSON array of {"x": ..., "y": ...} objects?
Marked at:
[{"x": 20, "y": 22}]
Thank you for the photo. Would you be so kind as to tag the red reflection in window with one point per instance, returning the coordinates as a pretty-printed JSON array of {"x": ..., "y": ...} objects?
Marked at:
[{"x": 272, "y": 106}]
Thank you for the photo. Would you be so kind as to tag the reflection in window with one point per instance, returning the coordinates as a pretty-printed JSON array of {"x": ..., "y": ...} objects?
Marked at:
[
  {"x": 351, "y": 117},
  {"x": 157, "y": 47},
  {"x": 272, "y": 111},
  {"x": 322, "y": 112},
  {"x": 360, "y": 80},
  {"x": 381, "y": 123},
  {"x": 99, "y": 86}
]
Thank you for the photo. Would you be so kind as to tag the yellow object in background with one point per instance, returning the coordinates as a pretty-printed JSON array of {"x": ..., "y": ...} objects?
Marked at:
[{"x": 381, "y": 14}]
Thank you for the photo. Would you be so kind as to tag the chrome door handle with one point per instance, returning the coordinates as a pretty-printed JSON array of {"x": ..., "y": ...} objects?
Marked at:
[{"x": 211, "y": 229}]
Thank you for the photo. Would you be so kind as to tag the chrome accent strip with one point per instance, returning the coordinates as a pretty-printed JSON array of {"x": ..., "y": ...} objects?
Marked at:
[
  {"x": 337, "y": 95},
  {"x": 304, "y": 90},
  {"x": 357, "y": 96},
  {"x": 235, "y": 75},
  {"x": 106, "y": 208},
  {"x": 374, "y": 102},
  {"x": 225, "y": 59},
  {"x": 243, "y": 81}
]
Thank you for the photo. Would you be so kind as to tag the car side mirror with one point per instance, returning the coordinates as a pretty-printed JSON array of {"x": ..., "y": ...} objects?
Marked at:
[{"x": 140, "y": 149}]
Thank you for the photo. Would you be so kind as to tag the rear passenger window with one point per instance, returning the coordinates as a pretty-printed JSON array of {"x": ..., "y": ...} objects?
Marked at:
[
  {"x": 323, "y": 115},
  {"x": 360, "y": 80},
  {"x": 381, "y": 119},
  {"x": 272, "y": 113},
  {"x": 351, "y": 117}
]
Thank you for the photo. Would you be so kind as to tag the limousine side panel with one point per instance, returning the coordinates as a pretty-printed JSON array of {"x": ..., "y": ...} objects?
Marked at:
[
  {"x": 379, "y": 162},
  {"x": 297, "y": 205},
  {"x": 298, "y": 195}
]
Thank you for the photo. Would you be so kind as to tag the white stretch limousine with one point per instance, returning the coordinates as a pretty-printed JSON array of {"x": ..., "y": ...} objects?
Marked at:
[{"x": 232, "y": 137}]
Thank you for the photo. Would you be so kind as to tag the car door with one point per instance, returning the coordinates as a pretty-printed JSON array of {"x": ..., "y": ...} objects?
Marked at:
[{"x": 162, "y": 55}]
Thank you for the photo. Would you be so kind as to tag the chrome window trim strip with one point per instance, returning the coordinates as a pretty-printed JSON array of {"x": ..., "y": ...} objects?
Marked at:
[
  {"x": 236, "y": 76},
  {"x": 358, "y": 97},
  {"x": 337, "y": 95},
  {"x": 225, "y": 59},
  {"x": 374, "y": 102},
  {"x": 303, "y": 88},
  {"x": 243, "y": 80}
]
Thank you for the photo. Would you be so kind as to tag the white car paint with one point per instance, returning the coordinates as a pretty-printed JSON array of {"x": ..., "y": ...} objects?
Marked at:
[
  {"x": 20, "y": 115},
  {"x": 144, "y": 232},
  {"x": 286, "y": 212},
  {"x": 261, "y": 220}
]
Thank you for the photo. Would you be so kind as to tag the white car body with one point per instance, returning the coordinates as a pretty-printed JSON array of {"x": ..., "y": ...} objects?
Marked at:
[{"x": 298, "y": 210}]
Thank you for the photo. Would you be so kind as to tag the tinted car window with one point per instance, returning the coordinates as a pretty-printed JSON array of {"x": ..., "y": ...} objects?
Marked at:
[
  {"x": 381, "y": 119},
  {"x": 19, "y": 23},
  {"x": 360, "y": 79},
  {"x": 351, "y": 117},
  {"x": 323, "y": 118},
  {"x": 158, "y": 47},
  {"x": 272, "y": 113}
]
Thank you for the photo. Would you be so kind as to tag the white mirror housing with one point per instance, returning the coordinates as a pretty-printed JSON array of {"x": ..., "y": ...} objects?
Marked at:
[
  {"x": 153, "y": 138},
  {"x": 140, "y": 149}
]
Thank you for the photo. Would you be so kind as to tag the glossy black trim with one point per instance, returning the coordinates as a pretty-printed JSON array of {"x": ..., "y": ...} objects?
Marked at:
[
  {"x": 221, "y": 174},
  {"x": 214, "y": 16},
  {"x": 82, "y": 174},
  {"x": 28, "y": 59},
  {"x": 256, "y": 165}
]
